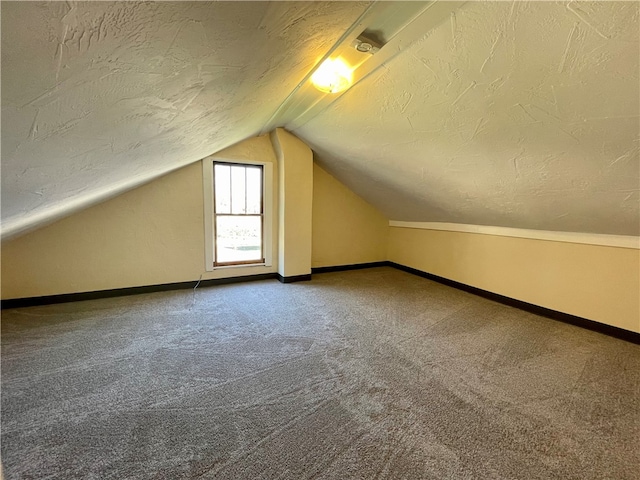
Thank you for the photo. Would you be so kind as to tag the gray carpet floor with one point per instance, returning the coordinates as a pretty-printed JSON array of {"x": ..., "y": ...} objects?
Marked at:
[{"x": 365, "y": 374}]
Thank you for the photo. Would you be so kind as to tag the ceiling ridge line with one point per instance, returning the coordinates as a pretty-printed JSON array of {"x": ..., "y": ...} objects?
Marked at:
[
  {"x": 392, "y": 46},
  {"x": 268, "y": 126}
]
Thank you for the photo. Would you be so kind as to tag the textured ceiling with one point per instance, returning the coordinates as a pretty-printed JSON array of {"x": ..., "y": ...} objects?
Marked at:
[
  {"x": 519, "y": 114},
  {"x": 98, "y": 97}
]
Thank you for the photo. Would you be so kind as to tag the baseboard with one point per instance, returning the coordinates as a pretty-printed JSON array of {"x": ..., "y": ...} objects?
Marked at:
[
  {"x": 512, "y": 302},
  {"x": 353, "y": 266},
  {"x": 293, "y": 278},
  {"x": 122, "y": 292},
  {"x": 610, "y": 330}
]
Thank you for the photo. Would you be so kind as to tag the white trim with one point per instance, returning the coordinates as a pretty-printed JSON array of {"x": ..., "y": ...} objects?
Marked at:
[
  {"x": 622, "y": 241},
  {"x": 209, "y": 233},
  {"x": 207, "y": 190}
]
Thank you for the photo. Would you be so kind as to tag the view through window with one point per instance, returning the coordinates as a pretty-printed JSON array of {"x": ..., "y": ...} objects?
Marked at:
[{"x": 238, "y": 212}]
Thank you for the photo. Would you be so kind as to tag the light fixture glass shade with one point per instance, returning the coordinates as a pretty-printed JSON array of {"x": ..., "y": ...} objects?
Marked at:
[{"x": 332, "y": 76}]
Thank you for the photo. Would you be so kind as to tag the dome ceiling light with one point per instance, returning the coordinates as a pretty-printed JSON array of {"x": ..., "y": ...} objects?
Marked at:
[
  {"x": 336, "y": 74},
  {"x": 333, "y": 76}
]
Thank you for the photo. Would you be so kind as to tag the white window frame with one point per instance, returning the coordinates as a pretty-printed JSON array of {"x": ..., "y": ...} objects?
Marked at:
[{"x": 209, "y": 224}]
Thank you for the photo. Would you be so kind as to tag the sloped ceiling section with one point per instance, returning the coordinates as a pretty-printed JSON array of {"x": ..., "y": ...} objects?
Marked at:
[
  {"x": 516, "y": 114},
  {"x": 98, "y": 97}
]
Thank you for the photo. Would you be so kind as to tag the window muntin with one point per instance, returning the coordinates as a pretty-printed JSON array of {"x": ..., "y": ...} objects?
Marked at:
[{"x": 238, "y": 214}]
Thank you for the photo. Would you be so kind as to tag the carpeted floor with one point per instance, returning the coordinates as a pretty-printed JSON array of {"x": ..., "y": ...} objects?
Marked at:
[{"x": 355, "y": 375}]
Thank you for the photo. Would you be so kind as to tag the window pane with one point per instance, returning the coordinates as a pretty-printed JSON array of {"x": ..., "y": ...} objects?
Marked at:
[
  {"x": 254, "y": 190},
  {"x": 238, "y": 199},
  {"x": 222, "y": 190},
  {"x": 238, "y": 239}
]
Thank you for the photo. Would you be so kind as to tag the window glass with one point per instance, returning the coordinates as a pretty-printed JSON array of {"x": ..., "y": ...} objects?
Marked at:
[
  {"x": 222, "y": 175},
  {"x": 238, "y": 190},
  {"x": 239, "y": 238},
  {"x": 254, "y": 190}
]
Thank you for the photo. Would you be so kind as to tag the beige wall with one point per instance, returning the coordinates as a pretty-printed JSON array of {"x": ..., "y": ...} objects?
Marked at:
[
  {"x": 154, "y": 234},
  {"x": 594, "y": 282},
  {"x": 295, "y": 196},
  {"x": 151, "y": 235},
  {"x": 346, "y": 229}
]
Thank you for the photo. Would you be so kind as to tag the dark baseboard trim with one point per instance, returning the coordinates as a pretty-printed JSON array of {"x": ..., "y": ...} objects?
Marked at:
[
  {"x": 612, "y": 331},
  {"x": 121, "y": 292},
  {"x": 353, "y": 266},
  {"x": 293, "y": 278}
]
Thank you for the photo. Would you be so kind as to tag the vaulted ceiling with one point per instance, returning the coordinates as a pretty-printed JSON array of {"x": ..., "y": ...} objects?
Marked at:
[{"x": 520, "y": 114}]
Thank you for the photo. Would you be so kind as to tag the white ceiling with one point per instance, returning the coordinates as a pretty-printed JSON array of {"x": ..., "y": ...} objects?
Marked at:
[
  {"x": 519, "y": 114},
  {"x": 98, "y": 97}
]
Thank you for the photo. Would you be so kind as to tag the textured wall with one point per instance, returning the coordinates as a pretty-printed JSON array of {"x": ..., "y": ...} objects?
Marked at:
[{"x": 594, "y": 282}]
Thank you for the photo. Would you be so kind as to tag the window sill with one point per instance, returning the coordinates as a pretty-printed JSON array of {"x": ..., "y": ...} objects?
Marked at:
[{"x": 244, "y": 265}]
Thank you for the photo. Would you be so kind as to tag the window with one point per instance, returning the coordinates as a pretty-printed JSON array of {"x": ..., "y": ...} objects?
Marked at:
[{"x": 238, "y": 214}]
